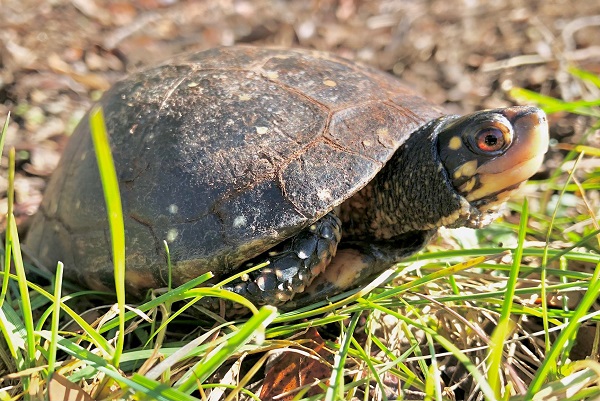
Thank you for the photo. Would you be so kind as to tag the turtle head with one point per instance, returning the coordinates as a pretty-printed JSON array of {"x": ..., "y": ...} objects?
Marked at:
[{"x": 490, "y": 154}]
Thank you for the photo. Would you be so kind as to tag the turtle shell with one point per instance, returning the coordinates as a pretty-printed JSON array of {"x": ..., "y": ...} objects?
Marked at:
[{"x": 222, "y": 154}]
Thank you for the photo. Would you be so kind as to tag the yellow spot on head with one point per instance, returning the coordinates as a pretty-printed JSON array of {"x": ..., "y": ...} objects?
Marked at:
[
  {"x": 329, "y": 82},
  {"x": 466, "y": 170},
  {"x": 244, "y": 97},
  {"x": 468, "y": 186},
  {"x": 262, "y": 130},
  {"x": 455, "y": 143}
]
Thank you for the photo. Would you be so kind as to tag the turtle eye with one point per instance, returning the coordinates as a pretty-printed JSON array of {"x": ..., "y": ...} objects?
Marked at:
[{"x": 492, "y": 140}]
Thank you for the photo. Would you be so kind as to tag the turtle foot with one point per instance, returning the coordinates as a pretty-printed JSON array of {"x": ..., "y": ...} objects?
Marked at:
[{"x": 293, "y": 264}]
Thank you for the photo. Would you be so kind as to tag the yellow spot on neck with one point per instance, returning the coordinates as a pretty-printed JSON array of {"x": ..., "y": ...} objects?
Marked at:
[{"x": 455, "y": 143}]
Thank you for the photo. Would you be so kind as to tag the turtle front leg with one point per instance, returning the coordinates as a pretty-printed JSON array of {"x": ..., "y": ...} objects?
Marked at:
[
  {"x": 293, "y": 264},
  {"x": 357, "y": 263}
]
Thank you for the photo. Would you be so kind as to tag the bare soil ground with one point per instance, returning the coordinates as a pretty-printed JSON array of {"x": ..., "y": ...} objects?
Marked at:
[{"x": 56, "y": 56}]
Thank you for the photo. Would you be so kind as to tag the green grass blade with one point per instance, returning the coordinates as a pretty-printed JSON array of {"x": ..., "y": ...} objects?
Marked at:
[
  {"x": 585, "y": 76},
  {"x": 7, "y": 233},
  {"x": 26, "y": 311},
  {"x": 175, "y": 294},
  {"x": 335, "y": 390},
  {"x": 487, "y": 391},
  {"x": 159, "y": 391},
  {"x": 225, "y": 294},
  {"x": 153, "y": 390},
  {"x": 567, "y": 334},
  {"x": 169, "y": 266},
  {"x": 4, "y": 131},
  {"x": 544, "y": 271},
  {"x": 571, "y": 387},
  {"x": 433, "y": 377},
  {"x": 15, "y": 246},
  {"x": 7, "y": 253},
  {"x": 110, "y": 185},
  {"x": 445, "y": 272},
  {"x": 55, "y": 318},
  {"x": 505, "y": 323},
  {"x": 553, "y": 105},
  {"x": 364, "y": 356},
  {"x": 253, "y": 328},
  {"x": 14, "y": 334},
  {"x": 93, "y": 334}
]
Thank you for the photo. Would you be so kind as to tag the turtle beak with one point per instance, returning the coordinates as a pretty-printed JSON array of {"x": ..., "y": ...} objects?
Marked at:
[{"x": 503, "y": 175}]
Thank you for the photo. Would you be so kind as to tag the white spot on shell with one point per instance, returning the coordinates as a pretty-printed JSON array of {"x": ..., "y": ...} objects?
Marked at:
[
  {"x": 173, "y": 208},
  {"x": 239, "y": 221},
  {"x": 244, "y": 97},
  {"x": 384, "y": 137},
  {"x": 172, "y": 234},
  {"x": 383, "y": 131},
  {"x": 324, "y": 194},
  {"x": 272, "y": 75},
  {"x": 262, "y": 130}
]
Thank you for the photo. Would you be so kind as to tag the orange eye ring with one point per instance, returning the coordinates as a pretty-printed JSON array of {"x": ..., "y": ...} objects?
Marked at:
[{"x": 492, "y": 140}]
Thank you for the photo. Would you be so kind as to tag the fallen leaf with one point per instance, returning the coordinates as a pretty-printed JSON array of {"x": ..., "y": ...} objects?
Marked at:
[
  {"x": 291, "y": 370},
  {"x": 62, "y": 389}
]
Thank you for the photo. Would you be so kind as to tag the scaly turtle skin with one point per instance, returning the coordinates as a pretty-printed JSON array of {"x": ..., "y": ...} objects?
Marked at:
[{"x": 329, "y": 170}]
